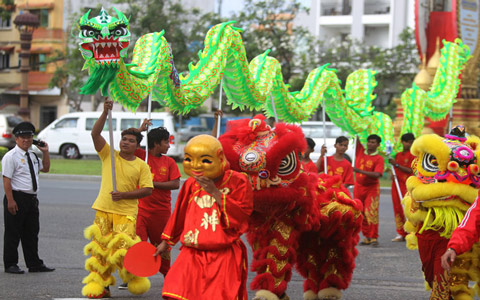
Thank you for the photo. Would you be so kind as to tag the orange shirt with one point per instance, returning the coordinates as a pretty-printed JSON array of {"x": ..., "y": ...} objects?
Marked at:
[
  {"x": 405, "y": 159},
  {"x": 309, "y": 167},
  {"x": 342, "y": 168},
  {"x": 163, "y": 169},
  {"x": 369, "y": 163}
]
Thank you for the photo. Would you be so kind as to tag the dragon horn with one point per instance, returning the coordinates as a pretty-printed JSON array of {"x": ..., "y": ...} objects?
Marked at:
[
  {"x": 121, "y": 16},
  {"x": 84, "y": 18}
]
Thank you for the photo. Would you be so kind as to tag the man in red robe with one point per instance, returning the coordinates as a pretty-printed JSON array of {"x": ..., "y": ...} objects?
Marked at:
[{"x": 211, "y": 213}]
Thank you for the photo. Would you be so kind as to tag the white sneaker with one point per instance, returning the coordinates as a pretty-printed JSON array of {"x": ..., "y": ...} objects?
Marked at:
[
  {"x": 398, "y": 238},
  {"x": 123, "y": 286}
]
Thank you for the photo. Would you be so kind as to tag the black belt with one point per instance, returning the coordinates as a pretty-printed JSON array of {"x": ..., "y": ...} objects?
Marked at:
[{"x": 25, "y": 195}]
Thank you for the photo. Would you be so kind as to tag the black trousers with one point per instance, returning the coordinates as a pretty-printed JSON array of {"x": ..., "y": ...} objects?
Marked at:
[{"x": 24, "y": 227}]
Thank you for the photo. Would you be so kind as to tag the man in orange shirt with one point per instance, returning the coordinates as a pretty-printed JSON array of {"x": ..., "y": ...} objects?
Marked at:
[
  {"x": 154, "y": 210},
  {"x": 337, "y": 164},
  {"x": 402, "y": 164},
  {"x": 369, "y": 168},
  {"x": 307, "y": 164}
]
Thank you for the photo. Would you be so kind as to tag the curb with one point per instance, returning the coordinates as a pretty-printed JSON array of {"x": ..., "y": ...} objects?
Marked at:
[
  {"x": 93, "y": 178},
  {"x": 71, "y": 177},
  {"x": 97, "y": 178}
]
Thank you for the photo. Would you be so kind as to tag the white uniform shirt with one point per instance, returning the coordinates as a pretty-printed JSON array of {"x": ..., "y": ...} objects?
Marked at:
[{"x": 15, "y": 167}]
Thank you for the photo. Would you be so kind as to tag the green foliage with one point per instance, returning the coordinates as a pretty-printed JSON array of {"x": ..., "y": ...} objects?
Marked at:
[
  {"x": 396, "y": 67},
  {"x": 3, "y": 151},
  {"x": 6, "y": 9},
  {"x": 269, "y": 25}
]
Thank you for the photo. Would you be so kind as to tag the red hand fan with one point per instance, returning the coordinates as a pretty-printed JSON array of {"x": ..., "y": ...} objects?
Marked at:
[{"x": 140, "y": 261}]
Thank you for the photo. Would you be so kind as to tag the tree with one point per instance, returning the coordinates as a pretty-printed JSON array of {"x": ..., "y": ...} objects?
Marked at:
[
  {"x": 396, "y": 67},
  {"x": 269, "y": 25},
  {"x": 6, "y": 9}
]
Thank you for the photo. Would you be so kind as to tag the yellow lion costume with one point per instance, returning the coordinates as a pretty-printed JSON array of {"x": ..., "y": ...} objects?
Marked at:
[{"x": 444, "y": 185}]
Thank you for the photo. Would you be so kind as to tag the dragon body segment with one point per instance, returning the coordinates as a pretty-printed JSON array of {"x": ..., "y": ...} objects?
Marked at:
[
  {"x": 104, "y": 40},
  {"x": 445, "y": 184},
  {"x": 302, "y": 220}
]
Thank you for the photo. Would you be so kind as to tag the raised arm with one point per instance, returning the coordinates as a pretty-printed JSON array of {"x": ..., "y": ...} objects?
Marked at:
[{"x": 98, "y": 140}]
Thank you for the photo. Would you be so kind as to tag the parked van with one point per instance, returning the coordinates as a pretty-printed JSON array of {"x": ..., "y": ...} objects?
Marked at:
[{"x": 70, "y": 136}]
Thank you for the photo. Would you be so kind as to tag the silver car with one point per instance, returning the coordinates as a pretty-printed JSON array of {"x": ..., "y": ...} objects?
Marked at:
[
  {"x": 7, "y": 123},
  {"x": 186, "y": 133}
]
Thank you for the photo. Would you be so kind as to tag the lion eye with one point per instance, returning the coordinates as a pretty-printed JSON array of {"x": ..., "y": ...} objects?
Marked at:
[
  {"x": 429, "y": 163},
  {"x": 288, "y": 164}
]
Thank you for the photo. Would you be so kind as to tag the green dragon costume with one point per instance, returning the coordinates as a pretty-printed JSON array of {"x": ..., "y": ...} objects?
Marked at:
[{"x": 251, "y": 85}]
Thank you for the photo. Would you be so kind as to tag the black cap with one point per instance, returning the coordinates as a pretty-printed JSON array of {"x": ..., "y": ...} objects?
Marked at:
[{"x": 24, "y": 128}]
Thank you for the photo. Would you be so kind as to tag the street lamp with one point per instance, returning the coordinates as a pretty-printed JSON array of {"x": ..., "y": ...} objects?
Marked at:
[{"x": 26, "y": 24}]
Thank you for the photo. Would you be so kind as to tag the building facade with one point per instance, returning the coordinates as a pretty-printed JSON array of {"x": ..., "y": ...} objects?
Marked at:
[{"x": 374, "y": 22}]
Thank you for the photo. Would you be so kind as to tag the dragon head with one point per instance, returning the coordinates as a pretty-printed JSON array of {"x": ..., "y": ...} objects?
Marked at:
[
  {"x": 268, "y": 156},
  {"x": 104, "y": 38},
  {"x": 445, "y": 182}
]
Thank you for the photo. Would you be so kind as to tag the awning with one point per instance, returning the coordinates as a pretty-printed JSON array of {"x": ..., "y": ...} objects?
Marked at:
[
  {"x": 6, "y": 49},
  {"x": 36, "y": 50},
  {"x": 36, "y": 5}
]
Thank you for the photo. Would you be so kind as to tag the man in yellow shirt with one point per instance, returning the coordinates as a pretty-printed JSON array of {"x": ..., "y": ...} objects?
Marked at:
[{"x": 113, "y": 230}]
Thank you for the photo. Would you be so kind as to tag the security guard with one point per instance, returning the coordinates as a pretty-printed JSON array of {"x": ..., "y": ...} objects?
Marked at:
[{"x": 20, "y": 169}]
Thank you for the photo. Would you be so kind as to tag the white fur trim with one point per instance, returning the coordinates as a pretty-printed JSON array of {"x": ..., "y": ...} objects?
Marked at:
[
  {"x": 330, "y": 294},
  {"x": 265, "y": 295},
  {"x": 310, "y": 295}
]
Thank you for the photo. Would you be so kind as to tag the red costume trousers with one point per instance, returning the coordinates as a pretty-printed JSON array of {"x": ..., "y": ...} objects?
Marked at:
[
  {"x": 369, "y": 195},
  {"x": 398, "y": 208},
  {"x": 431, "y": 247},
  {"x": 150, "y": 225}
]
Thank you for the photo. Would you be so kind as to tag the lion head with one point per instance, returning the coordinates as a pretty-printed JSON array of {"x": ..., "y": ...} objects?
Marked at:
[{"x": 445, "y": 182}]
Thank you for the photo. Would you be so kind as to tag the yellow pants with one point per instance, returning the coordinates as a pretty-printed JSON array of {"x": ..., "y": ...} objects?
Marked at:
[{"x": 111, "y": 235}]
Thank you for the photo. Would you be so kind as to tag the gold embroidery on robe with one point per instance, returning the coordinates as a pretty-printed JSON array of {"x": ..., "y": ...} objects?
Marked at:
[
  {"x": 191, "y": 238},
  {"x": 212, "y": 220},
  {"x": 206, "y": 201}
]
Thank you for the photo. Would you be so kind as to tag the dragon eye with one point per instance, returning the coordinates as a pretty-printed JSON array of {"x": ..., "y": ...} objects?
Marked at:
[
  {"x": 89, "y": 32},
  {"x": 429, "y": 163},
  {"x": 119, "y": 31},
  {"x": 288, "y": 164}
]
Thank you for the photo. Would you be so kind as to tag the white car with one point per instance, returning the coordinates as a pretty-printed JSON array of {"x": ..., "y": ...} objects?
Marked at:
[
  {"x": 70, "y": 136},
  {"x": 315, "y": 131}
]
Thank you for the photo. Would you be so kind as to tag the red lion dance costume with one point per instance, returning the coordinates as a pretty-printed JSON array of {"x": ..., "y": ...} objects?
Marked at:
[{"x": 298, "y": 219}]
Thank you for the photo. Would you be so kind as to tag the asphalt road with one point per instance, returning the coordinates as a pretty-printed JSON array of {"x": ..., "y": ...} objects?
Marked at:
[{"x": 389, "y": 271}]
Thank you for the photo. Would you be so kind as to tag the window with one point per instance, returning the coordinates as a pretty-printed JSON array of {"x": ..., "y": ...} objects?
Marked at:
[
  {"x": 156, "y": 123},
  {"x": 42, "y": 15},
  {"x": 67, "y": 123},
  {"x": 90, "y": 121},
  {"x": 4, "y": 61},
  {"x": 5, "y": 23},
  {"x": 129, "y": 123},
  {"x": 48, "y": 114},
  {"x": 37, "y": 62}
]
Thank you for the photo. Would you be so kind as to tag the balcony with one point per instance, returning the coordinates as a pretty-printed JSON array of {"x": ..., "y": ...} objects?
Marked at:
[
  {"x": 376, "y": 7},
  {"x": 336, "y": 8}
]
